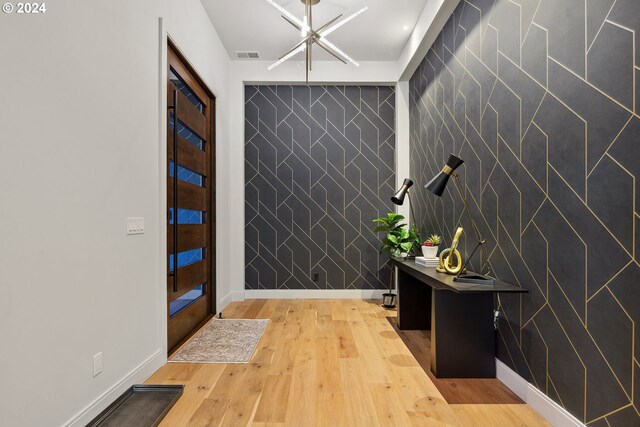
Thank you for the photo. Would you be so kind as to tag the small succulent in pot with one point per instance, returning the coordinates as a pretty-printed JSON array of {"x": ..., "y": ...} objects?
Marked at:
[
  {"x": 430, "y": 246},
  {"x": 433, "y": 240}
]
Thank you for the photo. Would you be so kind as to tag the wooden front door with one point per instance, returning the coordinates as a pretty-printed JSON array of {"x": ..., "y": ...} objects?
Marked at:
[{"x": 190, "y": 200}]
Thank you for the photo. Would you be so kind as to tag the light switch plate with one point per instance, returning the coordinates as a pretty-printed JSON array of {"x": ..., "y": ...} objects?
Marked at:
[{"x": 135, "y": 225}]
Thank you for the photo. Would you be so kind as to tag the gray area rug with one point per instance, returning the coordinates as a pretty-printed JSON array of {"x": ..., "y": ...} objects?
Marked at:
[{"x": 222, "y": 341}]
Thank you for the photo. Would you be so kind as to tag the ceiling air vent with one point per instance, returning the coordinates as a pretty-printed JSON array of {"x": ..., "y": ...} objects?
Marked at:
[{"x": 247, "y": 55}]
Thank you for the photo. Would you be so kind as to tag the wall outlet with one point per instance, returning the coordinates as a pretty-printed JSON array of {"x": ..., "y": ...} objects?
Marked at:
[
  {"x": 97, "y": 363},
  {"x": 315, "y": 276},
  {"x": 135, "y": 225}
]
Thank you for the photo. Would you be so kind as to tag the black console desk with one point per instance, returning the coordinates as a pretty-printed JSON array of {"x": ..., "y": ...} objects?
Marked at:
[{"x": 459, "y": 315}]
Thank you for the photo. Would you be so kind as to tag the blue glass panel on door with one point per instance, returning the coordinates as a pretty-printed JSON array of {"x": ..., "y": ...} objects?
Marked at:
[
  {"x": 186, "y": 175},
  {"x": 187, "y": 257},
  {"x": 185, "y": 300},
  {"x": 187, "y": 216},
  {"x": 186, "y": 133},
  {"x": 186, "y": 91}
]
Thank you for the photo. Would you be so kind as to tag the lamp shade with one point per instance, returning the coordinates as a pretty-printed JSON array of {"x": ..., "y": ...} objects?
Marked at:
[
  {"x": 398, "y": 198},
  {"x": 439, "y": 182}
]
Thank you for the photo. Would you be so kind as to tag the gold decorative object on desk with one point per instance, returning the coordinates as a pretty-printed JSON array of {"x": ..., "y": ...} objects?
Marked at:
[
  {"x": 450, "y": 258},
  {"x": 437, "y": 186}
]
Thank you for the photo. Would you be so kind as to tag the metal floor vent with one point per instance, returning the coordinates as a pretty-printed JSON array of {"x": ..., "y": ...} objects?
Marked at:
[
  {"x": 247, "y": 54},
  {"x": 140, "y": 406}
]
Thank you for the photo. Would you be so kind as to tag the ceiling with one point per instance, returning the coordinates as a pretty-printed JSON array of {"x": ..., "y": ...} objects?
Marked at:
[{"x": 379, "y": 34}]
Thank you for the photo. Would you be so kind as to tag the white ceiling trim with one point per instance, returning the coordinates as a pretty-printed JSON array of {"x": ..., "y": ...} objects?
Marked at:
[{"x": 435, "y": 14}]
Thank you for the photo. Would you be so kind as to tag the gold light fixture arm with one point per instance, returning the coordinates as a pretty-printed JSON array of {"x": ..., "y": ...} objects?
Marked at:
[
  {"x": 295, "y": 47},
  {"x": 319, "y": 30},
  {"x": 474, "y": 226},
  {"x": 293, "y": 24},
  {"x": 413, "y": 215},
  {"x": 329, "y": 50}
]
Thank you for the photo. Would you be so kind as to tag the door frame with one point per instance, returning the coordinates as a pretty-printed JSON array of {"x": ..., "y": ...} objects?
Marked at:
[{"x": 162, "y": 320}]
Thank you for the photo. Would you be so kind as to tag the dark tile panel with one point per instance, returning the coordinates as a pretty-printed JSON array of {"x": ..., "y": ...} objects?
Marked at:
[
  {"x": 534, "y": 154},
  {"x": 535, "y": 255},
  {"x": 614, "y": 208},
  {"x": 625, "y": 287},
  {"x": 602, "y": 422},
  {"x": 507, "y": 106},
  {"x": 625, "y": 13},
  {"x": 626, "y": 417},
  {"x": 508, "y": 29},
  {"x": 511, "y": 337},
  {"x": 597, "y": 11},
  {"x": 612, "y": 329},
  {"x": 626, "y": 152},
  {"x": 611, "y": 69},
  {"x": 528, "y": 91},
  {"x": 534, "y": 347},
  {"x": 599, "y": 374},
  {"x": 604, "y": 117},
  {"x": 599, "y": 241},
  {"x": 565, "y": 24},
  {"x": 637, "y": 74},
  {"x": 566, "y": 133},
  {"x": 567, "y": 256},
  {"x": 566, "y": 370},
  {"x": 490, "y": 49},
  {"x": 320, "y": 164},
  {"x": 534, "y": 54},
  {"x": 551, "y": 173},
  {"x": 636, "y": 376}
]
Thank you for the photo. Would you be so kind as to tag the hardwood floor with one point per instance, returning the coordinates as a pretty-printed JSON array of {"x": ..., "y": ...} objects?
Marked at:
[
  {"x": 331, "y": 363},
  {"x": 455, "y": 390}
]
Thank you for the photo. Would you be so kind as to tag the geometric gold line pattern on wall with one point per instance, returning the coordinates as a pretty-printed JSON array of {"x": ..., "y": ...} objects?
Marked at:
[
  {"x": 541, "y": 99},
  {"x": 319, "y": 167}
]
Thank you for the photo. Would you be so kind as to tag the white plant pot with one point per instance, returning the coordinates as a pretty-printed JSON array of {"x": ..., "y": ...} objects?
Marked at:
[{"x": 430, "y": 251}]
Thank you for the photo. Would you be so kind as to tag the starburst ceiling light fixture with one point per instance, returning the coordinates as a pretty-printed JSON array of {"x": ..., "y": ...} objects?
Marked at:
[{"x": 311, "y": 36}]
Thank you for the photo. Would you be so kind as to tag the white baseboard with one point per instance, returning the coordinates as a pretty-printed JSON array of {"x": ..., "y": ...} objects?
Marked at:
[
  {"x": 229, "y": 298},
  {"x": 224, "y": 302},
  {"x": 314, "y": 293},
  {"x": 555, "y": 414},
  {"x": 137, "y": 376},
  {"x": 237, "y": 296}
]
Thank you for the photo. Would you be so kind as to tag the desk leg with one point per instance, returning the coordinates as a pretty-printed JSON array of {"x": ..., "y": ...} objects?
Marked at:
[
  {"x": 462, "y": 335},
  {"x": 414, "y": 303}
]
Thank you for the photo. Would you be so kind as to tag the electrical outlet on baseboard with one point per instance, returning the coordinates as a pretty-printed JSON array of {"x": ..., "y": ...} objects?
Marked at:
[{"x": 97, "y": 364}]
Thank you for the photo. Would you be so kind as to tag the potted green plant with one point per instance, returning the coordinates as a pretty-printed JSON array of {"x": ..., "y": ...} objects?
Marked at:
[
  {"x": 430, "y": 246},
  {"x": 397, "y": 241}
]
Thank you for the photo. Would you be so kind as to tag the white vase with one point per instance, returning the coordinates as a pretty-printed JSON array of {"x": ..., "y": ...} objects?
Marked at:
[{"x": 430, "y": 251}]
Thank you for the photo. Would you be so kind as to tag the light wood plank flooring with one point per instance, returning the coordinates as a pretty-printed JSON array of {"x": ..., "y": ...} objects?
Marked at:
[{"x": 327, "y": 363}]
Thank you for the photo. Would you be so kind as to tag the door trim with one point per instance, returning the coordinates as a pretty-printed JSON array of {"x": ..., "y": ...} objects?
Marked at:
[{"x": 166, "y": 40}]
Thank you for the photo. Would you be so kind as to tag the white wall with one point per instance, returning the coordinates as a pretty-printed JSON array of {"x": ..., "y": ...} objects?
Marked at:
[{"x": 80, "y": 150}]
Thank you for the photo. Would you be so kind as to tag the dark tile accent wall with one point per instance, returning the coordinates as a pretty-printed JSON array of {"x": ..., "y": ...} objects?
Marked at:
[
  {"x": 319, "y": 167},
  {"x": 537, "y": 96}
]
